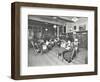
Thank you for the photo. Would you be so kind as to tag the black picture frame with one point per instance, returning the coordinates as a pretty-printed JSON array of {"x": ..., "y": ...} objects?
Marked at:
[{"x": 15, "y": 39}]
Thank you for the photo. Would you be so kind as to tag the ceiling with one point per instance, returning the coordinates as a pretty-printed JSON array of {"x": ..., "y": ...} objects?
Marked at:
[
  {"x": 58, "y": 20},
  {"x": 49, "y": 19}
]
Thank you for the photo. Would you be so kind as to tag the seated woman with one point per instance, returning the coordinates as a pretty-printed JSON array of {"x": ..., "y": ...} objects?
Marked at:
[
  {"x": 47, "y": 42},
  {"x": 44, "y": 48},
  {"x": 76, "y": 43},
  {"x": 59, "y": 43},
  {"x": 52, "y": 43},
  {"x": 75, "y": 47},
  {"x": 69, "y": 45},
  {"x": 72, "y": 49},
  {"x": 37, "y": 48},
  {"x": 62, "y": 48},
  {"x": 68, "y": 53},
  {"x": 63, "y": 44}
]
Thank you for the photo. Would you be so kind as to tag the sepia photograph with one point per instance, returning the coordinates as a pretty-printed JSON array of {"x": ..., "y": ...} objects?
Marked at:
[{"x": 57, "y": 40}]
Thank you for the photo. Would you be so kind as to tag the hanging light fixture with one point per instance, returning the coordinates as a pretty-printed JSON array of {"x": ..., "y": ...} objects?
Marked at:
[
  {"x": 74, "y": 19},
  {"x": 46, "y": 29},
  {"x": 54, "y": 26},
  {"x": 54, "y": 17}
]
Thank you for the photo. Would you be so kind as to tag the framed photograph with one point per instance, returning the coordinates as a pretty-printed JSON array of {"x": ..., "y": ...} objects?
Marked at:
[{"x": 51, "y": 40}]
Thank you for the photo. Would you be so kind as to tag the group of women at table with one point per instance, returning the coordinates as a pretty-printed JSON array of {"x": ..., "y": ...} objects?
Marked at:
[{"x": 65, "y": 47}]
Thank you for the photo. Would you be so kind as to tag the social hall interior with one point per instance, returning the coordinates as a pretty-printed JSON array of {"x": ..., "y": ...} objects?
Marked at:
[{"x": 57, "y": 40}]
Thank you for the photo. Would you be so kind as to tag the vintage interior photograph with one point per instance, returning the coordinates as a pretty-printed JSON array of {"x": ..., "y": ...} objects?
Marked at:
[{"x": 57, "y": 40}]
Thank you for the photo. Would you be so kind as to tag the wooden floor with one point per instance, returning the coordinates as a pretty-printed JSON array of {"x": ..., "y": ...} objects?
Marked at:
[{"x": 51, "y": 58}]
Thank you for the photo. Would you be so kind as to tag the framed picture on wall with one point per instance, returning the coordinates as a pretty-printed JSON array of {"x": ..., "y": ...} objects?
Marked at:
[{"x": 51, "y": 40}]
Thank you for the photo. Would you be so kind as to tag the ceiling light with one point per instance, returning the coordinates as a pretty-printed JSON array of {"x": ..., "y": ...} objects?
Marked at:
[
  {"x": 46, "y": 29},
  {"x": 54, "y": 26},
  {"x": 54, "y": 17},
  {"x": 74, "y": 19}
]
